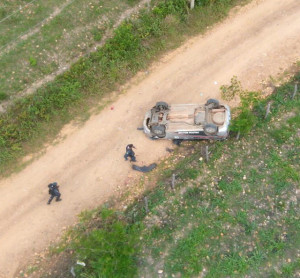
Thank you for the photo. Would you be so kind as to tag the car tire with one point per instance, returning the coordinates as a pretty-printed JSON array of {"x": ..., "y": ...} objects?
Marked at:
[
  {"x": 159, "y": 131},
  {"x": 161, "y": 105},
  {"x": 210, "y": 129},
  {"x": 214, "y": 103}
]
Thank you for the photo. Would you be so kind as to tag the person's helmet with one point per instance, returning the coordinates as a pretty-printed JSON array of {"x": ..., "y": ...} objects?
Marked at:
[{"x": 53, "y": 184}]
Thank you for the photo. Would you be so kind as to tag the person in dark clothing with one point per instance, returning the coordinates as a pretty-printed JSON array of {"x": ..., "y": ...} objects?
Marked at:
[
  {"x": 54, "y": 192},
  {"x": 130, "y": 153}
]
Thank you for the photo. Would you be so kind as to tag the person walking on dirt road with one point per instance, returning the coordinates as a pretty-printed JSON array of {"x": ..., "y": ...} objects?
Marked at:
[
  {"x": 130, "y": 153},
  {"x": 54, "y": 192}
]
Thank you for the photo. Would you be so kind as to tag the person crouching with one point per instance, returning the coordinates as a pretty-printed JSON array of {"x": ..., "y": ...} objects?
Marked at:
[
  {"x": 130, "y": 153},
  {"x": 54, "y": 192}
]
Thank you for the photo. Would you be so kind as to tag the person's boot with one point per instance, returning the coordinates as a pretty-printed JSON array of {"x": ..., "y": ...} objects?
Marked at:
[{"x": 58, "y": 200}]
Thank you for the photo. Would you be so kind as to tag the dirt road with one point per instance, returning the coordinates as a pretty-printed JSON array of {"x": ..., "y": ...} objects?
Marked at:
[{"x": 260, "y": 40}]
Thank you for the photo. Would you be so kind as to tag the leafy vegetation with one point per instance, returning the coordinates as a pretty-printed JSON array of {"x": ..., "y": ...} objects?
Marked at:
[
  {"x": 3, "y": 96},
  {"x": 246, "y": 119},
  {"x": 110, "y": 249}
]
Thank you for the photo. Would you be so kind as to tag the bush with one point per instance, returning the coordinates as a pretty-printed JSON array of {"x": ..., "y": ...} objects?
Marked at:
[
  {"x": 245, "y": 119},
  {"x": 244, "y": 122},
  {"x": 178, "y": 7},
  {"x": 228, "y": 92}
]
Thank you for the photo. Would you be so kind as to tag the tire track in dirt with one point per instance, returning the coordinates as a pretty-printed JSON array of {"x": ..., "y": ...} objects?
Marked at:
[{"x": 260, "y": 40}]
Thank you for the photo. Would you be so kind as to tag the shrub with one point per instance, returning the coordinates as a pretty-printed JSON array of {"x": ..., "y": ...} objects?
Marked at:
[
  {"x": 228, "y": 92},
  {"x": 246, "y": 119}
]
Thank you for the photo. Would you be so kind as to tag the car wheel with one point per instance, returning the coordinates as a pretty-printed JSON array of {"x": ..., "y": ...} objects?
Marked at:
[
  {"x": 159, "y": 130},
  {"x": 210, "y": 129},
  {"x": 214, "y": 103},
  {"x": 161, "y": 105}
]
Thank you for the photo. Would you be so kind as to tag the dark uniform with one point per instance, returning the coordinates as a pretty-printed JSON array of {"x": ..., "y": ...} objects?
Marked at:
[
  {"x": 54, "y": 192},
  {"x": 130, "y": 153}
]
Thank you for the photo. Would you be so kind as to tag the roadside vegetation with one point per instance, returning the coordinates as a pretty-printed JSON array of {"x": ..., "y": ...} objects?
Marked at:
[
  {"x": 25, "y": 127},
  {"x": 235, "y": 215}
]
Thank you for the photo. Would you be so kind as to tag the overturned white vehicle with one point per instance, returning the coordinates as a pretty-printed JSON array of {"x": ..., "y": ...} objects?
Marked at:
[{"x": 188, "y": 121}]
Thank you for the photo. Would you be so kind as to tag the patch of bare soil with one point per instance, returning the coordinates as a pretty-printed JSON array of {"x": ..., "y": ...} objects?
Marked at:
[{"x": 260, "y": 40}]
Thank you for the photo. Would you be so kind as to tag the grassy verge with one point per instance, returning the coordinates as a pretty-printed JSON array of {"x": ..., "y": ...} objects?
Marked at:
[
  {"x": 45, "y": 36},
  {"x": 135, "y": 44},
  {"x": 235, "y": 215}
]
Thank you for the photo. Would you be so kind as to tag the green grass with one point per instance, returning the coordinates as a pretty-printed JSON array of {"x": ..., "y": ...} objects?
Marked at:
[
  {"x": 3, "y": 96},
  {"x": 17, "y": 21},
  {"x": 111, "y": 248},
  {"x": 57, "y": 41},
  {"x": 288, "y": 270}
]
